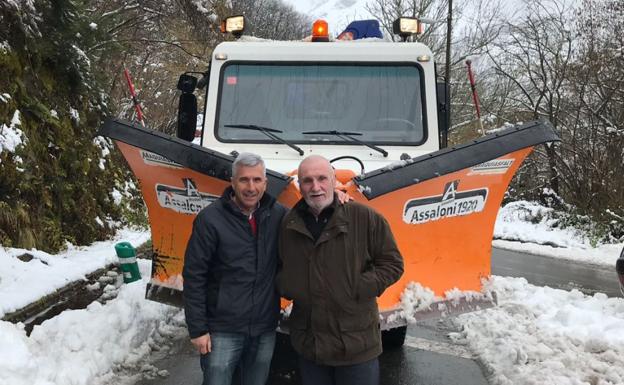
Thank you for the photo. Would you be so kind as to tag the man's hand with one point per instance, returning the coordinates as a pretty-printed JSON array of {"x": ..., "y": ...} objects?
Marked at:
[
  {"x": 202, "y": 343},
  {"x": 343, "y": 197}
]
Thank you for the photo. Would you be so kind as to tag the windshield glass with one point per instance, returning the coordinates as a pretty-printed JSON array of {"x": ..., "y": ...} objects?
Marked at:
[{"x": 382, "y": 102}]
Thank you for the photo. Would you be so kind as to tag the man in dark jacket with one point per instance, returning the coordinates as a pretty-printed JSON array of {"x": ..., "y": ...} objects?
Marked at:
[
  {"x": 230, "y": 301},
  {"x": 336, "y": 259}
]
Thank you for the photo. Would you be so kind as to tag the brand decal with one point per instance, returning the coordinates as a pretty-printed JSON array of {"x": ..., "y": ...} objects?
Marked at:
[
  {"x": 157, "y": 160},
  {"x": 186, "y": 200},
  {"x": 451, "y": 203},
  {"x": 496, "y": 166}
]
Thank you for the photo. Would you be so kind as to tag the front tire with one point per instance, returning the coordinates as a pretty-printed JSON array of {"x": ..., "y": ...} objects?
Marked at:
[{"x": 393, "y": 338}]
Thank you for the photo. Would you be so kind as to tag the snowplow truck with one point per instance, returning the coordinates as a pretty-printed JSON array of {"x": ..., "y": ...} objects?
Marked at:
[{"x": 376, "y": 110}]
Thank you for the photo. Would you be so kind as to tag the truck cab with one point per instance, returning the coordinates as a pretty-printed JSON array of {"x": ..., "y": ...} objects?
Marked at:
[{"x": 381, "y": 96}]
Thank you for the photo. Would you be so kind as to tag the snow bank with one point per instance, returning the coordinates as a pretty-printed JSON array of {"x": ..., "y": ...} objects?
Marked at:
[
  {"x": 528, "y": 227},
  {"x": 78, "y": 346},
  {"x": 46, "y": 273},
  {"x": 540, "y": 335}
]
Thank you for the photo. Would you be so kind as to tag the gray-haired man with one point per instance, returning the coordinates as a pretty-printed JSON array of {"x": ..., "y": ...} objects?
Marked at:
[{"x": 230, "y": 301}]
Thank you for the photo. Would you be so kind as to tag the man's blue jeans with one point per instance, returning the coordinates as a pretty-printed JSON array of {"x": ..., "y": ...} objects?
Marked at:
[{"x": 229, "y": 350}]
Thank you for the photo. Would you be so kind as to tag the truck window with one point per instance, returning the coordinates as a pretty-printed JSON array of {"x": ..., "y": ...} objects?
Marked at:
[{"x": 382, "y": 102}]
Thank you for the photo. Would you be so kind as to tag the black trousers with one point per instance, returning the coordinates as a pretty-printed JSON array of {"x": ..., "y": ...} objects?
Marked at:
[{"x": 366, "y": 373}]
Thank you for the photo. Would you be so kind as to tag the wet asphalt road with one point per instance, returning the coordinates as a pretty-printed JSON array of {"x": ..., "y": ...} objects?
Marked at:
[
  {"x": 556, "y": 273},
  {"x": 415, "y": 363},
  {"x": 428, "y": 356}
]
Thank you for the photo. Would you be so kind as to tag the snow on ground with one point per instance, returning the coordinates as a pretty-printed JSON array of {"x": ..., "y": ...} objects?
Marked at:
[
  {"x": 540, "y": 335},
  {"x": 79, "y": 346},
  {"x": 515, "y": 230},
  {"x": 537, "y": 335},
  {"x": 85, "y": 346},
  {"x": 11, "y": 136},
  {"x": 22, "y": 283}
]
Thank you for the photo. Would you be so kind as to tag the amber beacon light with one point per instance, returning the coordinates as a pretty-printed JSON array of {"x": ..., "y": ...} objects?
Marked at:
[{"x": 320, "y": 31}]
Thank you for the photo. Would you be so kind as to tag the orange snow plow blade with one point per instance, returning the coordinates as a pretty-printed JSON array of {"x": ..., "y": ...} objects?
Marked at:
[
  {"x": 443, "y": 226},
  {"x": 177, "y": 179},
  {"x": 442, "y": 206}
]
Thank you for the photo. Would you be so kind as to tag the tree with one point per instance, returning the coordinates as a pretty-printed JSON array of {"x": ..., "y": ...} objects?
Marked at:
[
  {"x": 566, "y": 65},
  {"x": 593, "y": 162},
  {"x": 535, "y": 54},
  {"x": 272, "y": 19},
  {"x": 475, "y": 26},
  {"x": 157, "y": 41},
  {"x": 62, "y": 75},
  {"x": 58, "y": 186}
]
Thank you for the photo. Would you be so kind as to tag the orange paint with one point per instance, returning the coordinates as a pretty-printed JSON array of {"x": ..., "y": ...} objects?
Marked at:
[{"x": 446, "y": 252}]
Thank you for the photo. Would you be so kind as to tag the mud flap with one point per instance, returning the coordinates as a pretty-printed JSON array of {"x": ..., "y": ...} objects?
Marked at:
[{"x": 177, "y": 179}]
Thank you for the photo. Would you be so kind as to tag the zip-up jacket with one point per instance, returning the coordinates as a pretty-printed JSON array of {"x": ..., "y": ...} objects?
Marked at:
[{"x": 229, "y": 273}]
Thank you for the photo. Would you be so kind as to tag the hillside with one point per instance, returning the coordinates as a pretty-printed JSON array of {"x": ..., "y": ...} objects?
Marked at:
[{"x": 58, "y": 182}]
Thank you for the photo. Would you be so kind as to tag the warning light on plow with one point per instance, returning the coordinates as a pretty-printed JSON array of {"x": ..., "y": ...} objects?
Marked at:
[{"x": 320, "y": 31}]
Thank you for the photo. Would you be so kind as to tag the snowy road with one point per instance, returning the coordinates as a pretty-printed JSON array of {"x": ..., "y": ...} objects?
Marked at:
[
  {"x": 557, "y": 273},
  {"x": 537, "y": 334},
  {"x": 429, "y": 356}
]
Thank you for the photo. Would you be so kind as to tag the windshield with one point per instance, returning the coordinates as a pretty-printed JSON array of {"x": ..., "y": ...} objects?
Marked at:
[{"x": 382, "y": 102}]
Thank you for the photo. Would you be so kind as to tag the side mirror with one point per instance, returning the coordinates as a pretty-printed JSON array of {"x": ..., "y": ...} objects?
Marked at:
[
  {"x": 187, "y": 108},
  {"x": 187, "y": 117},
  {"x": 187, "y": 83}
]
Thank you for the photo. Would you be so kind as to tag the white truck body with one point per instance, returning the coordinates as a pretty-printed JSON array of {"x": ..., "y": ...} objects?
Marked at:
[{"x": 280, "y": 157}]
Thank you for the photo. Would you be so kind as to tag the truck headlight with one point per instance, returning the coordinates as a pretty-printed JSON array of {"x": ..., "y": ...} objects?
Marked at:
[
  {"x": 234, "y": 25},
  {"x": 407, "y": 26}
]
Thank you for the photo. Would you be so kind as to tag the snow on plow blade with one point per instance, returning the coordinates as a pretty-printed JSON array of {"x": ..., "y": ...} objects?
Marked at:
[
  {"x": 442, "y": 206},
  {"x": 399, "y": 316},
  {"x": 390, "y": 319}
]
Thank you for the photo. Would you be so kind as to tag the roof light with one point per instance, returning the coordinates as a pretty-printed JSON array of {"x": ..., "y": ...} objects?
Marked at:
[
  {"x": 234, "y": 25},
  {"x": 407, "y": 26},
  {"x": 320, "y": 31}
]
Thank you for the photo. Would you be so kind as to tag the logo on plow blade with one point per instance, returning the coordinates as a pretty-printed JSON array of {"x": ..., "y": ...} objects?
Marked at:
[
  {"x": 496, "y": 166},
  {"x": 157, "y": 160},
  {"x": 183, "y": 200},
  {"x": 451, "y": 203}
]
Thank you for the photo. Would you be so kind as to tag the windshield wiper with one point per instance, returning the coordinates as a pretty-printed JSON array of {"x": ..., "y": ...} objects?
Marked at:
[
  {"x": 268, "y": 132},
  {"x": 346, "y": 135}
]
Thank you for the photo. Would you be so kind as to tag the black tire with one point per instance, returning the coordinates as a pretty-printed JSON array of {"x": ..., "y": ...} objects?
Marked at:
[{"x": 393, "y": 338}]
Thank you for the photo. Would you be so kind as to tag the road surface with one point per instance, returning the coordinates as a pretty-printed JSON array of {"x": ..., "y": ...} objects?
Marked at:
[{"x": 428, "y": 357}]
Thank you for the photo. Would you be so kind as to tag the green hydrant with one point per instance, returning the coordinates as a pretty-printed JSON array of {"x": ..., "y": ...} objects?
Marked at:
[{"x": 127, "y": 262}]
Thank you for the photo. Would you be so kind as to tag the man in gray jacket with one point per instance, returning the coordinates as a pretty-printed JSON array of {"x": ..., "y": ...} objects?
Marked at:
[
  {"x": 230, "y": 301},
  {"x": 336, "y": 259}
]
